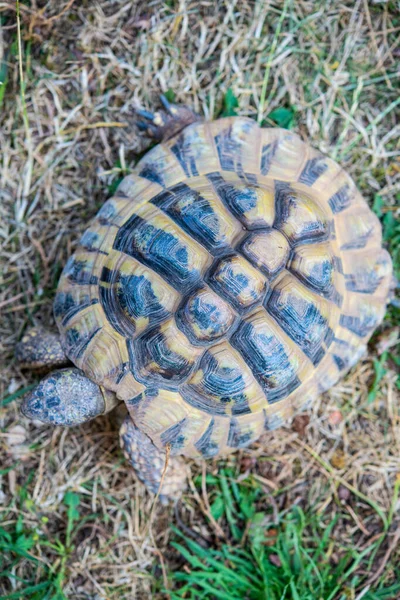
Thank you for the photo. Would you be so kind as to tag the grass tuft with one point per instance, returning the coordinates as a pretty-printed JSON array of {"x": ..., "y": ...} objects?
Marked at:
[{"x": 301, "y": 556}]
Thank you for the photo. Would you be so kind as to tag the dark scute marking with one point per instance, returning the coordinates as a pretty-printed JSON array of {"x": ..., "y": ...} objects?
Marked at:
[
  {"x": 123, "y": 368},
  {"x": 329, "y": 337},
  {"x": 225, "y": 383},
  {"x": 72, "y": 338},
  {"x": 195, "y": 215},
  {"x": 318, "y": 356},
  {"x": 365, "y": 282},
  {"x": 237, "y": 439},
  {"x": 87, "y": 342},
  {"x": 203, "y": 313},
  {"x": 229, "y": 151},
  {"x": 267, "y": 154},
  {"x": 182, "y": 151},
  {"x": 164, "y": 198},
  {"x": 251, "y": 178},
  {"x": 358, "y": 242},
  {"x": 89, "y": 239},
  {"x": 301, "y": 320},
  {"x": 272, "y": 421},
  {"x": 230, "y": 285},
  {"x": 63, "y": 303},
  {"x": 340, "y": 362},
  {"x": 314, "y": 168},
  {"x": 151, "y": 173},
  {"x": 216, "y": 179},
  {"x": 164, "y": 252},
  {"x": 346, "y": 354},
  {"x": 75, "y": 271},
  {"x": 340, "y": 200},
  {"x": 320, "y": 276},
  {"x": 152, "y": 347},
  {"x": 241, "y": 282},
  {"x": 239, "y": 201},
  {"x": 77, "y": 343},
  {"x": 210, "y": 318},
  {"x": 117, "y": 320},
  {"x": 106, "y": 213},
  {"x": 202, "y": 401},
  {"x": 130, "y": 346},
  {"x": 282, "y": 191},
  {"x": 66, "y": 307},
  {"x": 108, "y": 275},
  {"x": 336, "y": 298},
  {"x": 361, "y": 326},
  {"x": 136, "y": 297},
  {"x": 205, "y": 445},
  {"x": 173, "y": 436},
  {"x": 268, "y": 360},
  {"x": 78, "y": 309},
  {"x": 338, "y": 264},
  {"x": 285, "y": 200},
  {"x": 135, "y": 401}
]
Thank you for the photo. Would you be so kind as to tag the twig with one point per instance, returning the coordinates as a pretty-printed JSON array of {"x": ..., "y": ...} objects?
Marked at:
[
  {"x": 25, "y": 118},
  {"x": 149, "y": 527},
  {"x": 348, "y": 485},
  {"x": 269, "y": 63},
  {"x": 60, "y": 14},
  {"x": 385, "y": 559}
]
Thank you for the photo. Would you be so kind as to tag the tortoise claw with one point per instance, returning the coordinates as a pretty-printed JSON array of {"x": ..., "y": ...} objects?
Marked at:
[
  {"x": 148, "y": 127},
  {"x": 167, "y": 122},
  {"x": 146, "y": 114},
  {"x": 166, "y": 104}
]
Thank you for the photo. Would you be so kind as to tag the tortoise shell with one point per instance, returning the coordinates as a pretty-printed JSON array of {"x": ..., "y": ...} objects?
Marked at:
[{"x": 235, "y": 275}]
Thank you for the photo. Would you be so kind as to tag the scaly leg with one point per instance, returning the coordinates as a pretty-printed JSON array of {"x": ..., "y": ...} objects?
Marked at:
[
  {"x": 40, "y": 349},
  {"x": 149, "y": 463},
  {"x": 168, "y": 122}
]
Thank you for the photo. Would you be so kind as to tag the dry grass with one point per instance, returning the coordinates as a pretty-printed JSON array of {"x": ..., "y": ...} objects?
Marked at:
[{"x": 86, "y": 66}]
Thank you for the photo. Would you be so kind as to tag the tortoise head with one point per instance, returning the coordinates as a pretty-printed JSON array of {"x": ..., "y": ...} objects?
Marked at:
[{"x": 65, "y": 397}]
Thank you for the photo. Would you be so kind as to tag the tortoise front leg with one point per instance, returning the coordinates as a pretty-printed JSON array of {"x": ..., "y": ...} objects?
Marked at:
[
  {"x": 149, "y": 463},
  {"x": 67, "y": 397},
  {"x": 40, "y": 349},
  {"x": 167, "y": 122}
]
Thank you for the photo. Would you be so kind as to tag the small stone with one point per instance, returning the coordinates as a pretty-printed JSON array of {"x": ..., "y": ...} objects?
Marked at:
[
  {"x": 344, "y": 494},
  {"x": 16, "y": 435},
  {"x": 335, "y": 418},
  {"x": 275, "y": 560},
  {"x": 338, "y": 460},
  {"x": 13, "y": 387},
  {"x": 247, "y": 463},
  {"x": 300, "y": 424}
]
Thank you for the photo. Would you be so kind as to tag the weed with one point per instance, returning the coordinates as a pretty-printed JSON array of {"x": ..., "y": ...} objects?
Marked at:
[
  {"x": 299, "y": 557},
  {"x": 17, "y": 549}
]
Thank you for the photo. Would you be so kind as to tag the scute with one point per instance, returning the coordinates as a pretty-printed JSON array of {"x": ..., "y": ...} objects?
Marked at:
[
  {"x": 235, "y": 275},
  {"x": 205, "y": 316}
]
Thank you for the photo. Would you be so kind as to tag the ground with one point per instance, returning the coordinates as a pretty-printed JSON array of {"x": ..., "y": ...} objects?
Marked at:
[{"x": 310, "y": 511}]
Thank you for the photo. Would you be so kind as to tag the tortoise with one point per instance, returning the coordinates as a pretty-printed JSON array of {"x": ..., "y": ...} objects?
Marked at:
[{"x": 235, "y": 275}]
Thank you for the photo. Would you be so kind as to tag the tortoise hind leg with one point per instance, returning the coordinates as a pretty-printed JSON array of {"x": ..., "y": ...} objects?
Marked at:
[
  {"x": 149, "y": 463},
  {"x": 40, "y": 349},
  {"x": 167, "y": 122}
]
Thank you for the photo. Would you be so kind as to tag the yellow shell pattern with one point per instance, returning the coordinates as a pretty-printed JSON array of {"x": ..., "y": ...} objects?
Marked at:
[{"x": 236, "y": 274}]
